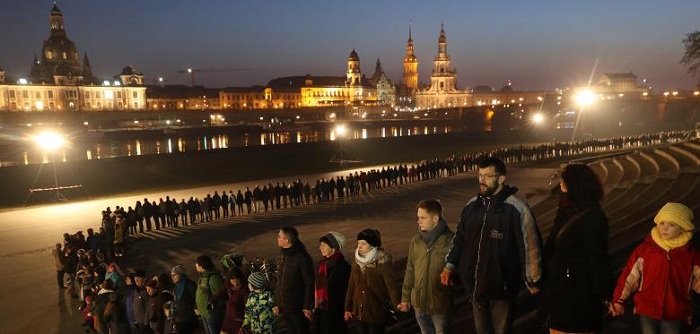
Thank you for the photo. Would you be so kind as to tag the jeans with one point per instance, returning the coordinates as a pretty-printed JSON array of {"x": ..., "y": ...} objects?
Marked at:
[
  {"x": 431, "y": 323},
  {"x": 652, "y": 326},
  {"x": 493, "y": 316}
]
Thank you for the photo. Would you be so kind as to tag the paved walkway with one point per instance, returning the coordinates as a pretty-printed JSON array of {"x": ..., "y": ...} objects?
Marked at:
[{"x": 29, "y": 300}]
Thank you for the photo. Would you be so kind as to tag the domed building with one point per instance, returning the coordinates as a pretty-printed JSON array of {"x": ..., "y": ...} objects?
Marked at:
[{"x": 58, "y": 81}]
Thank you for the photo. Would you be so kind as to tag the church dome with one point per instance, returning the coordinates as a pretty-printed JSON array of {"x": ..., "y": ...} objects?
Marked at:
[{"x": 353, "y": 56}]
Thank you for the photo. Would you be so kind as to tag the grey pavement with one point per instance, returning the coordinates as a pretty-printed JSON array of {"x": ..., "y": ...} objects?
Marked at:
[{"x": 30, "y": 302}]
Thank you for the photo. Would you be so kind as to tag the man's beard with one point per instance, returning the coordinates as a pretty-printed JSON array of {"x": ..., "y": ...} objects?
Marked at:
[{"x": 489, "y": 190}]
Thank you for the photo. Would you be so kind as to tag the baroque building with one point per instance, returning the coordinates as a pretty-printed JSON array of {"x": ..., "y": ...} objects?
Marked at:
[
  {"x": 59, "y": 82},
  {"x": 353, "y": 89},
  {"x": 443, "y": 92}
]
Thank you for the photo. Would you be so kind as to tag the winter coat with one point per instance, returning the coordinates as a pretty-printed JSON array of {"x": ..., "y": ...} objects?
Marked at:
[
  {"x": 235, "y": 309},
  {"x": 208, "y": 284},
  {"x": 258, "y": 312},
  {"x": 421, "y": 283},
  {"x": 371, "y": 291},
  {"x": 184, "y": 316},
  {"x": 294, "y": 290},
  {"x": 660, "y": 281},
  {"x": 139, "y": 300},
  {"x": 98, "y": 307},
  {"x": 578, "y": 270},
  {"x": 330, "y": 319},
  {"x": 496, "y": 247},
  {"x": 58, "y": 260}
]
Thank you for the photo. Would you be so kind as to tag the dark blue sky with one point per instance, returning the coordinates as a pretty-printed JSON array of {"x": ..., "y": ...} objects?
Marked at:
[{"x": 537, "y": 44}]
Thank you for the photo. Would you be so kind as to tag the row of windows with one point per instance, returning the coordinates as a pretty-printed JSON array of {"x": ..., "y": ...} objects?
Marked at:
[
  {"x": 246, "y": 97},
  {"x": 49, "y": 94}
]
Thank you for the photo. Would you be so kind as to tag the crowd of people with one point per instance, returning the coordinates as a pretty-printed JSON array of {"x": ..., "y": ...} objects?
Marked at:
[{"x": 496, "y": 249}]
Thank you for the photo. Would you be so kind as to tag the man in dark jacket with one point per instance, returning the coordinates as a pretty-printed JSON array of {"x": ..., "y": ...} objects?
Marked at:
[
  {"x": 140, "y": 300},
  {"x": 294, "y": 292},
  {"x": 496, "y": 247}
]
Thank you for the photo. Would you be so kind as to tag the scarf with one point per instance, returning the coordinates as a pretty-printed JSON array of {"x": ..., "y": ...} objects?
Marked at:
[
  {"x": 180, "y": 287},
  {"x": 669, "y": 244},
  {"x": 429, "y": 236},
  {"x": 364, "y": 260},
  {"x": 321, "y": 292}
]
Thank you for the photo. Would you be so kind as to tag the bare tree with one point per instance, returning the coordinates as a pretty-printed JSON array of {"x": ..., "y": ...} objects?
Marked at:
[{"x": 691, "y": 58}]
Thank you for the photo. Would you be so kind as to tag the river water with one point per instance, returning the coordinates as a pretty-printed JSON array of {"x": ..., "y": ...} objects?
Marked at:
[{"x": 22, "y": 149}]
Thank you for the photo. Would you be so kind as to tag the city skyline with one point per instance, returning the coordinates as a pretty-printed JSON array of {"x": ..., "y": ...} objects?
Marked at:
[{"x": 543, "y": 45}]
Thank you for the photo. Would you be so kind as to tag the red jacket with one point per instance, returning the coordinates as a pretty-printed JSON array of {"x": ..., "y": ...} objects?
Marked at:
[{"x": 660, "y": 280}]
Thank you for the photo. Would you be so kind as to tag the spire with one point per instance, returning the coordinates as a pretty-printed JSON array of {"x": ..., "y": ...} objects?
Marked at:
[
  {"x": 410, "y": 37},
  {"x": 56, "y": 21},
  {"x": 86, "y": 61},
  {"x": 442, "y": 38},
  {"x": 378, "y": 68}
]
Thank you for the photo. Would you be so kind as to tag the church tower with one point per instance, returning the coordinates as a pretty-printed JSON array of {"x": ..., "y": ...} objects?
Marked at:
[
  {"x": 410, "y": 66},
  {"x": 443, "y": 78},
  {"x": 354, "y": 77},
  {"x": 60, "y": 62}
]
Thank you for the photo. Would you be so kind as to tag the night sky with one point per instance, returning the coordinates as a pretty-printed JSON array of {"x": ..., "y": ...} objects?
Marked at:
[{"x": 537, "y": 44}]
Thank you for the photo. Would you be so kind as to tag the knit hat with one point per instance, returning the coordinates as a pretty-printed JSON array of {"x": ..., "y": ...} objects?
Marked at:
[
  {"x": 676, "y": 213},
  {"x": 333, "y": 239},
  {"x": 371, "y": 236},
  {"x": 153, "y": 284},
  {"x": 178, "y": 269},
  {"x": 257, "y": 280},
  {"x": 140, "y": 273}
]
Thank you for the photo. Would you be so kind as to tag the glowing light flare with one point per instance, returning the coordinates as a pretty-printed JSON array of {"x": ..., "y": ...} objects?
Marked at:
[
  {"x": 538, "y": 118},
  {"x": 585, "y": 98},
  {"x": 49, "y": 140}
]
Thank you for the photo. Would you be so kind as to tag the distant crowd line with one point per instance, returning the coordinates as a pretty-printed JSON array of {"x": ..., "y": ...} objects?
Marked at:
[{"x": 87, "y": 261}]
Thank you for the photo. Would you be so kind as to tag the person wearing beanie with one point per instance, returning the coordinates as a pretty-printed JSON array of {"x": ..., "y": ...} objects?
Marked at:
[
  {"x": 139, "y": 297},
  {"x": 431, "y": 301},
  {"x": 259, "y": 316},
  {"x": 294, "y": 291},
  {"x": 184, "y": 293},
  {"x": 372, "y": 284},
  {"x": 667, "y": 266},
  {"x": 332, "y": 277}
]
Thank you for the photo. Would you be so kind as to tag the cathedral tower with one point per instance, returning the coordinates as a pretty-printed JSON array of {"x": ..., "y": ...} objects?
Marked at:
[
  {"x": 354, "y": 77},
  {"x": 410, "y": 66},
  {"x": 443, "y": 77}
]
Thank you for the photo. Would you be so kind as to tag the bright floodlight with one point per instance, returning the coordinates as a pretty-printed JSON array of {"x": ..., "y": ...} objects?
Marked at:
[
  {"x": 538, "y": 118},
  {"x": 585, "y": 98},
  {"x": 340, "y": 130},
  {"x": 49, "y": 140}
]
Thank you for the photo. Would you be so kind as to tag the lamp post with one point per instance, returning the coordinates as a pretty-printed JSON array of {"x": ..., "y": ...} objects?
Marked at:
[
  {"x": 51, "y": 142},
  {"x": 583, "y": 99},
  {"x": 338, "y": 133}
]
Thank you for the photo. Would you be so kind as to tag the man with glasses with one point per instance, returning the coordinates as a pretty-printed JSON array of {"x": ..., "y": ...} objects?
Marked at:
[{"x": 496, "y": 247}]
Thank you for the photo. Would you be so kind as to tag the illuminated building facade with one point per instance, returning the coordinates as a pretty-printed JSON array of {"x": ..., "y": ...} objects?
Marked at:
[
  {"x": 410, "y": 66},
  {"x": 58, "y": 82},
  {"x": 443, "y": 92},
  {"x": 314, "y": 91}
]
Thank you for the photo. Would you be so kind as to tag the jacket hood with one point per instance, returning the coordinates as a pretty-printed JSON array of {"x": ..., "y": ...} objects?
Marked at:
[{"x": 501, "y": 195}]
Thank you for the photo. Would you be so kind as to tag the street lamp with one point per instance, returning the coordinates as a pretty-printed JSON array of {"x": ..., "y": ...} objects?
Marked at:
[
  {"x": 51, "y": 142},
  {"x": 583, "y": 99}
]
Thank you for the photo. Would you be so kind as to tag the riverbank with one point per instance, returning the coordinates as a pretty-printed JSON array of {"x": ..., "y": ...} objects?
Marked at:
[{"x": 106, "y": 177}]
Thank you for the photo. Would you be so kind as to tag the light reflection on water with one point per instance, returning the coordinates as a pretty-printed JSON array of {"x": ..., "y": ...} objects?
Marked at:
[{"x": 103, "y": 149}]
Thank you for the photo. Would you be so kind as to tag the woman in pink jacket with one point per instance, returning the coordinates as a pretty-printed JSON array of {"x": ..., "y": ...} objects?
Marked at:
[{"x": 660, "y": 274}]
